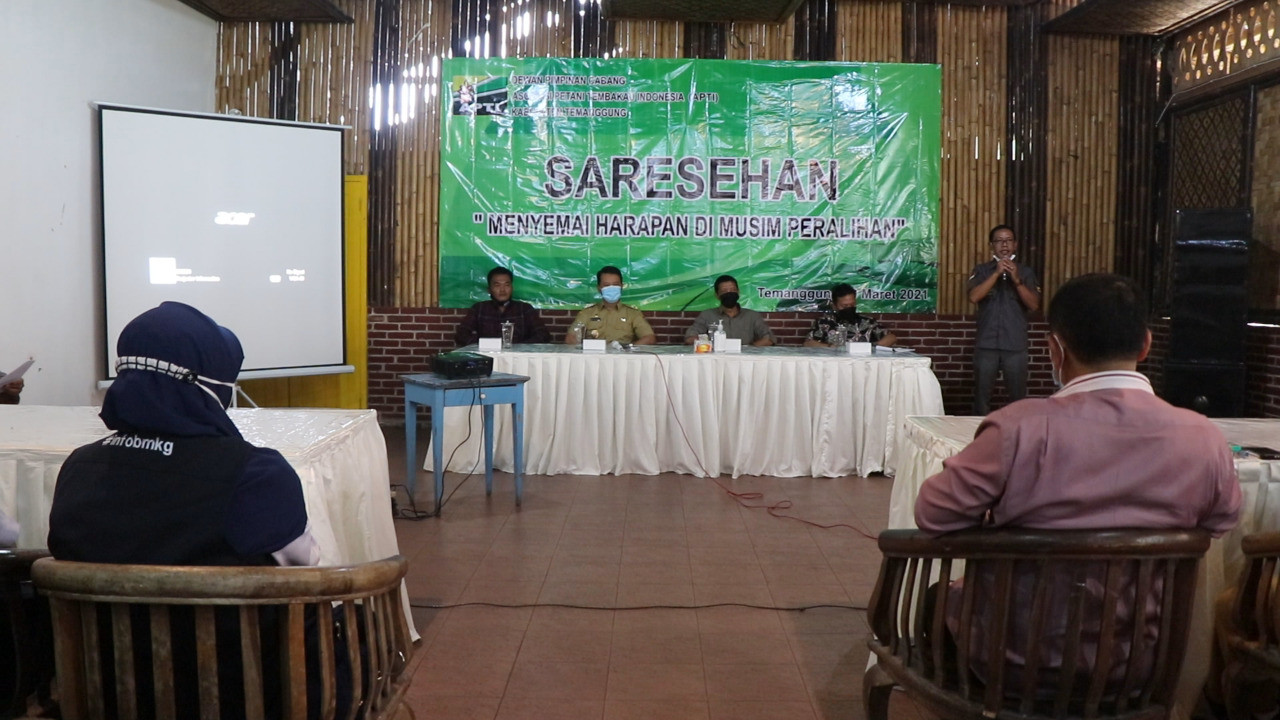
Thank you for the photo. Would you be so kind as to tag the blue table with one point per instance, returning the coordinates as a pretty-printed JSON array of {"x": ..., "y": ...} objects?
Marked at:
[{"x": 440, "y": 392}]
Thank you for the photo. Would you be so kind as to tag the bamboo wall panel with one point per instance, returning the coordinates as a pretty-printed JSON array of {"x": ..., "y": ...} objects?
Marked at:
[
  {"x": 592, "y": 35},
  {"x": 1082, "y": 144},
  {"x": 647, "y": 39},
  {"x": 1139, "y": 105},
  {"x": 541, "y": 28},
  {"x": 814, "y": 25},
  {"x": 333, "y": 70},
  {"x": 334, "y": 76},
  {"x": 244, "y": 61},
  {"x": 705, "y": 40},
  {"x": 868, "y": 31},
  {"x": 415, "y": 119},
  {"x": 1027, "y": 88},
  {"x": 971, "y": 50},
  {"x": 1264, "y": 275},
  {"x": 919, "y": 32},
  {"x": 284, "y": 70},
  {"x": 761, "y": 41}
]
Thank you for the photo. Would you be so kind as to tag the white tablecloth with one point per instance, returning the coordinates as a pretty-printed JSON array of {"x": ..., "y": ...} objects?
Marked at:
[
  {"x": 927, "y": 441},
  {"x": 340, "y": 456},
  {"x": 784, "y": 412}
]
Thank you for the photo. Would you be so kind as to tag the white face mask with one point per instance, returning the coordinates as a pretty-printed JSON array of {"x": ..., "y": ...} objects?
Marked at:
[
  {"x": 133, "y": 362},
  {"x": 1055, "y": 370}
]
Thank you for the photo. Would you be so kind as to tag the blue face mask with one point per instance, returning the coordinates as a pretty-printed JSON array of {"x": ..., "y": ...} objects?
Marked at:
[{"x": 611, "y": 293}]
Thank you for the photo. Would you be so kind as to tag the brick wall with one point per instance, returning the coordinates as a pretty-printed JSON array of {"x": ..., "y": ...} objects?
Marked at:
[
  {"x": 402, "y": 340},
  {"x": 1262, "y": 359},
  {"x": 1262, "y": 367}
]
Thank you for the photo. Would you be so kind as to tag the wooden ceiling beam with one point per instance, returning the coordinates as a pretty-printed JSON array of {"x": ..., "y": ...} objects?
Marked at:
[
  {"x": 322, "y": 11},
  {"x": 1133, "y": 17}
]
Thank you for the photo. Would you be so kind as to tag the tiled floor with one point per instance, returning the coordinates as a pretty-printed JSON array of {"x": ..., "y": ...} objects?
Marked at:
[{"x": 708, "y": 638}]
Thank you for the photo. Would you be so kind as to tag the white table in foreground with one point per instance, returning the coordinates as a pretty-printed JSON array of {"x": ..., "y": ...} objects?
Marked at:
[
  {"x": 340, "y": 455},
  {"x": 783, "y": 412},
  {"x": 927, "y": 441}
]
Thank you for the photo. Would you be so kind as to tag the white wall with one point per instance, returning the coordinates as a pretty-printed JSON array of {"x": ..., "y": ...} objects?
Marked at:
[{"x": 56, "y": 58}]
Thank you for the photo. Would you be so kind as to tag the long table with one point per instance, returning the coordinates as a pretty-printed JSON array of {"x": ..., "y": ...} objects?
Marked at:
[
  {"x": 340, "y": 455},
  {"x": 784, "y": 412},
  {"x": 927, "y": 441}
]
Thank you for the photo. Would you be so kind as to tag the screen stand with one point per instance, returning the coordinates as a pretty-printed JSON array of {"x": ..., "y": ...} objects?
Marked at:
[{"x": 240, "y": 392}]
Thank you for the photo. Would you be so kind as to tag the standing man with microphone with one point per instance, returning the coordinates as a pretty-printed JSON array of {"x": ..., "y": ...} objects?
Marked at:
[{"x": 1006, "y": 293}]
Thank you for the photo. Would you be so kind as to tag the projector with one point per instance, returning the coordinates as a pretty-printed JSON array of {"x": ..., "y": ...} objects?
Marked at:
[{"x": 462, "y": 365}]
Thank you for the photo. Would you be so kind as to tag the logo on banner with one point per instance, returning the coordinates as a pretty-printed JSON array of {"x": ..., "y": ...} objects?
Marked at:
[{"x": 480, "y": 96}]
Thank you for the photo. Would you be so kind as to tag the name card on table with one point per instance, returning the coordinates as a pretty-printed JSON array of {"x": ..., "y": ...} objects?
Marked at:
[
  {"x": 728, "y": 345},
  {"x": 593, "y": 345},
  {"x": 858, "y": 348},
  {"x": 491, "y": 344}
]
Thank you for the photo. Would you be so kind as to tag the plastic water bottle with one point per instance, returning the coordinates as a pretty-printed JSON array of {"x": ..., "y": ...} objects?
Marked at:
[{"x": 1240, "y": 453}]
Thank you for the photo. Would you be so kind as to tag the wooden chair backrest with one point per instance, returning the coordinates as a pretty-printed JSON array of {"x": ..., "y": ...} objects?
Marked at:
[
  {"x": 365, "y": 598},
  {"x": 1094, "y": 575},
  {"x": 1256, "y": 613},
  {"x": 28, "y": 665}
]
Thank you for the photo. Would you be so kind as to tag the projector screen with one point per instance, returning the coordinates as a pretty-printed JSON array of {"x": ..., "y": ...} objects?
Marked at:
[{"x": 239, "y": 218}]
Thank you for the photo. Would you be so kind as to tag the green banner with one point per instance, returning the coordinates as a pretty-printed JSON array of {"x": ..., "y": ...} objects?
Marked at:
[{"x": 790, "y": 176}]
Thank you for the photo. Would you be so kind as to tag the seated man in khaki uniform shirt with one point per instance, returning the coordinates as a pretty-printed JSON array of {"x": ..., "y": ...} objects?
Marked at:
[{"x": 609, "y": 319}]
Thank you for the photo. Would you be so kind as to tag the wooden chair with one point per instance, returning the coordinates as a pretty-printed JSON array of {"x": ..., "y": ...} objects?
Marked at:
[
  {"x": 26, "y": 656},
  {"x": 1020, "y": 590},
  {"x": 1248, "y": 631},
  {"x": 119, "y": 629}
]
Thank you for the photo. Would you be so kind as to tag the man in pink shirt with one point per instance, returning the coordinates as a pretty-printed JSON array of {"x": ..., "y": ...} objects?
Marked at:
[{"x": 1102, "y": 452}]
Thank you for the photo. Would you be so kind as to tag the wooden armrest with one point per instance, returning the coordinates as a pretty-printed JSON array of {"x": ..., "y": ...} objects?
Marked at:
[
  {"x": 1253, "y": 619},
  {"x": 215, "y": 585},
  {"x": 1022, "y": 542},
  {"x": 1261, "y": 544}
]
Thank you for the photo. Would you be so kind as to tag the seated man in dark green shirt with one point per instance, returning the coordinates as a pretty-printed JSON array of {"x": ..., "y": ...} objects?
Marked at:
[{"x": 739, "y": 322}]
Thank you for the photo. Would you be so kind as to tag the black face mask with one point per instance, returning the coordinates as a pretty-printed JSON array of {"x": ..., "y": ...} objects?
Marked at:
[
  {"x": 729, "y": 299},
  {"x": 847, "y": 315}
]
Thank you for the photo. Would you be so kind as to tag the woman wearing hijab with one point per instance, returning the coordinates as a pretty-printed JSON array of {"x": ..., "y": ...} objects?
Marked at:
[{"x": 176, "y": 484}]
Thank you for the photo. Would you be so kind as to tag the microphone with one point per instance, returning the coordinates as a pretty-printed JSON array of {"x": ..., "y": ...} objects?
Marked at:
[{"x": 1004, "y": 275}]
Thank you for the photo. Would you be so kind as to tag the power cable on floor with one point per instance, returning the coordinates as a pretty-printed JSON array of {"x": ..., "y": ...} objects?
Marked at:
[
  {"x": 774, "y": 509},
  {"x": 412, "y": 512},
  {"x": 520, "y": 606}
]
